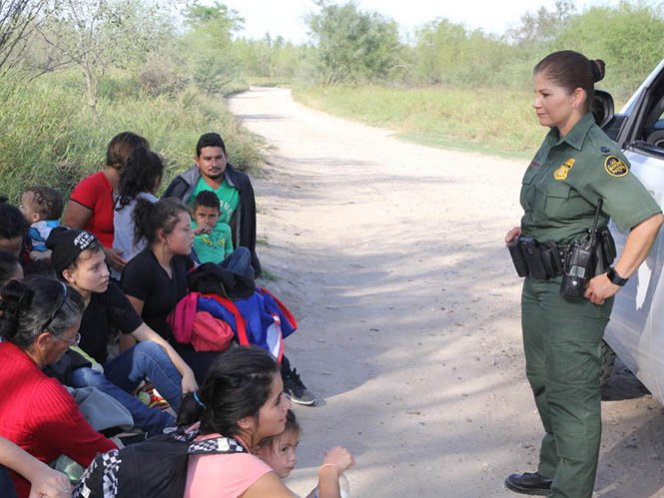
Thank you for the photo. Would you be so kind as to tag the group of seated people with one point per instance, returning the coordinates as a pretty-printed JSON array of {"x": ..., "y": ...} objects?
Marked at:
[{"x": 88, "y": 294}]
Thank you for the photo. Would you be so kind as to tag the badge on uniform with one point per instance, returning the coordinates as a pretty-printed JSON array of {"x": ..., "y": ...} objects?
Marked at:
[
  {"x": 563, "y": 169},
  {"x": 615, "y": 166}
]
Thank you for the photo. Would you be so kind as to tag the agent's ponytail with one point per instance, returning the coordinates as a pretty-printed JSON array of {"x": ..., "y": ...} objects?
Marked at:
[{"x": 598, "y": 69}]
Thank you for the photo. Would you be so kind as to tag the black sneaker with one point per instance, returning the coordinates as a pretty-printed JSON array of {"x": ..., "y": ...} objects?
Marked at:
[
  {"x": 296, "y": 389},
  {"x": 529, "y": 483}
]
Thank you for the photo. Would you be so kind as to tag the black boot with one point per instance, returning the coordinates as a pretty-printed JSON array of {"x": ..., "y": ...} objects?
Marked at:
[{"x": 529, "y": 483}]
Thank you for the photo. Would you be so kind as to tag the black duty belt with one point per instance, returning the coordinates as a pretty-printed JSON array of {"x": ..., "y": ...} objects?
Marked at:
[
  {"x": 545, "y": 260},
  {"x": 540, "y": 260}
]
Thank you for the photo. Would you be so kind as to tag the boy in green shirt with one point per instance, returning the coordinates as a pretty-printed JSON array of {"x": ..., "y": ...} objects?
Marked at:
[{"x": 212, "y": 241}]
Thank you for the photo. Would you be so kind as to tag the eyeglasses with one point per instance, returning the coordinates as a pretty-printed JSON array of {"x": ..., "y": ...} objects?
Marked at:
[{"x": 72, "y": 342}]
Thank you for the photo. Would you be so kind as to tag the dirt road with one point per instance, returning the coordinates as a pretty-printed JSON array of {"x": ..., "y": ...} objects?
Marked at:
[{"x": 390, "y": 254}]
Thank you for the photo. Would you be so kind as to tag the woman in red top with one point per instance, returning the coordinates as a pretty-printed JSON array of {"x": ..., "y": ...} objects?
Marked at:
[
  {"x": 39, "y": 320},
  {"x": 91, "y": 202}
]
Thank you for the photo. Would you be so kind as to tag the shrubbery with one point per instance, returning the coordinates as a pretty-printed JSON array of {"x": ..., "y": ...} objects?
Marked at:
[{"x": 49, "y": 138}]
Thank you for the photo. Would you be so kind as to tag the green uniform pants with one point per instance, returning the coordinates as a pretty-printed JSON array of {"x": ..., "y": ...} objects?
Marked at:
[{"x": 562, "y": 342}]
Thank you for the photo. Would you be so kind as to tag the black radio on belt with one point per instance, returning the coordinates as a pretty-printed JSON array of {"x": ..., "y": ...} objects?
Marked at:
[{"x": 580, "y": 262}]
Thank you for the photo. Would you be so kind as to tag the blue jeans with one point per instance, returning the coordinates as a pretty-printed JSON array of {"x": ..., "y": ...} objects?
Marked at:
[
  {"x": 239, "y": 261},
  {"x": 6, "y": 484},
  {"x": 125, "y": 372}
]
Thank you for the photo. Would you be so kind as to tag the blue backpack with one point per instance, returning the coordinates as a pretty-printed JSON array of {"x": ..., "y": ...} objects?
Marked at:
[{"x": 156, "y": 468}]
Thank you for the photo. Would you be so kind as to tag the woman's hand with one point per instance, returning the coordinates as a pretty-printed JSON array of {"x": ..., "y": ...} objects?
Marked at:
[
  {"x": 50, "y": 484},
  {"x": 114, "y": 258},
  {"x": 512, "y": 234},
  {"x": 189, "y": 384},
  {"x": 599, "y": 289},
  {"x": 339, "y": 457}
]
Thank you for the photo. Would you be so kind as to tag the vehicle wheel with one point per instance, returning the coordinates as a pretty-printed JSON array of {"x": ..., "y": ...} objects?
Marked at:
[{"x": 608, "y": 359}]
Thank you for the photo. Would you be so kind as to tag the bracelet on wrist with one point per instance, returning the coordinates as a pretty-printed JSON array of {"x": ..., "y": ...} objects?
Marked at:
[
  {"x": 614, "y": 278},
  {"x": 336, "y": 467}
]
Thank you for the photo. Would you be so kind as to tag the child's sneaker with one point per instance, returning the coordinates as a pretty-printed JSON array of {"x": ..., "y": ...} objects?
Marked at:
[{"x": 150, "y": 397}]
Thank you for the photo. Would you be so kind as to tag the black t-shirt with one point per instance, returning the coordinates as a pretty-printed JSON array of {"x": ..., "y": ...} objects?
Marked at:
[
  {"x": 107, "y": 311},
  {"x": 143, "y": 278}
]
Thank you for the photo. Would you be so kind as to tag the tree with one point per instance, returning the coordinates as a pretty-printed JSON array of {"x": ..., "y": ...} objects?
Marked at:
[
  {"x": 17, "y": 18},
  {"x": 96, "y": 35},
  {"x": 353, "y": 46},
  {"x": 209, "y": 45},
  {"x": 544, "y": 26},
  {"x": 629, "y": 38},
  {"x": 446, "y": 52}
]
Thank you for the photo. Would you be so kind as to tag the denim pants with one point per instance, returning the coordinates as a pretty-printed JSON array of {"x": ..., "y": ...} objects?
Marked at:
[
  {"x": 125, "y": 372},
  {"x": 6, "y": 484},
  {"x": 239, "y": 261}
]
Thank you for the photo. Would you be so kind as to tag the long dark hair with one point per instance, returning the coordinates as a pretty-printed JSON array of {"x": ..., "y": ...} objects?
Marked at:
[
  {"x": 39, "y": 304},
  {"x": 150, "y": 217},
  {"x": 143, "y": 170},
  {"x": 237, "y": 386},
  {"x": 572, "y": 70}
]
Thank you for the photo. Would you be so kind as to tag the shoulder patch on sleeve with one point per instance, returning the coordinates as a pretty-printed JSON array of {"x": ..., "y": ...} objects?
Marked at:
[{"x": 615, "y": 166}]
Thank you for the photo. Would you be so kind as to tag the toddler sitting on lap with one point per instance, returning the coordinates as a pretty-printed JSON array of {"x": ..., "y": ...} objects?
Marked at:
[
  {"x": 42, "y": 207},
  {"x": 279, "y": 453}
]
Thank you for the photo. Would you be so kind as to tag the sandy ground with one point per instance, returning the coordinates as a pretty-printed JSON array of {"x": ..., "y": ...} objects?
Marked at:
[{"x": 390, "y": 255}]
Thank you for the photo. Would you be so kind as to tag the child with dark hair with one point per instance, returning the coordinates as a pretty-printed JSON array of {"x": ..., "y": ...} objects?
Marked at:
[
  {"x": 139, "y": 179},
  {"x": 12, "y": 228},
  {"x": 279, "y": 452},
  {"x": 213, "y": 241},
  {"x": 42, "y": 208},
  {"x": 156, "y": 279}
]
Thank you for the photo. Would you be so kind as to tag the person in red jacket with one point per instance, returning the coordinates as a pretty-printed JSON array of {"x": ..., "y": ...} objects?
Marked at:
[{"x": 39, "y": 320}]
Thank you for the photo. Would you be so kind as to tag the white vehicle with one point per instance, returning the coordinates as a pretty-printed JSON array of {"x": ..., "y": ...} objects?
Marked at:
[{"x": 636, "y": 329}]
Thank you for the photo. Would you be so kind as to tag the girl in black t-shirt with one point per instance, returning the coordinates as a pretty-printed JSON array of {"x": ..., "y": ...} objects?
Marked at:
[{"x": 156, "y": 279}]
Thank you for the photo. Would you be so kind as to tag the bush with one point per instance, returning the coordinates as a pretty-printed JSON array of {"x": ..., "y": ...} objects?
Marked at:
[{"x": 49, "y": 138}]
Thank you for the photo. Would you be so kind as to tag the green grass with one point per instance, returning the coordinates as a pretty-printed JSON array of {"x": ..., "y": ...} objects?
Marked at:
[
  {"x": 269, "y": 82},
  {"x": 268, "y": 276},
  {"x": 499, "y": 122},
  {"x": 49, "y": 138}
]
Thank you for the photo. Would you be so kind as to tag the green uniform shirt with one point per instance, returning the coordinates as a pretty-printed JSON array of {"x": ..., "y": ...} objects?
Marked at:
[
  {"x": 229, "y": 198},
  {"x": 566, "y": 178},
  {"x": 213, "y": 247}
]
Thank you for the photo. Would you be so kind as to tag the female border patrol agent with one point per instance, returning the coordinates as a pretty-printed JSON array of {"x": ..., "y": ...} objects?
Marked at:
[{"x": 576, "y": 169}]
